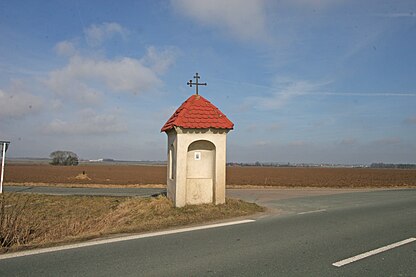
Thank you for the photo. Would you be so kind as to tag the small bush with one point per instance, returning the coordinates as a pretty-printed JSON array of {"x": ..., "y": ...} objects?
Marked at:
[{"x": 64, "y": 158}]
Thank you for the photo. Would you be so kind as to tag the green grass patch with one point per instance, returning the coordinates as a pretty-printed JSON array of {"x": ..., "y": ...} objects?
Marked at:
[{"x": 34, "y": 220}]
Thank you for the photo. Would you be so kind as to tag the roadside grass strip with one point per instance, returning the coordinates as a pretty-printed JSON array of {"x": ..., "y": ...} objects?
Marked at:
[
  {"x": 119, "y": 239},
  {"x": 373, "y": 252}
]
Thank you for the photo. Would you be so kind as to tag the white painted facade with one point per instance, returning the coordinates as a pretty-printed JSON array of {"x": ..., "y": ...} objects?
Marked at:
[{"x": 196, "y": 166}]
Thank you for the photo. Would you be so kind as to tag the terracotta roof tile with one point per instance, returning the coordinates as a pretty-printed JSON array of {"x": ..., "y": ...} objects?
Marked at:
[{"x": 198, "y": 113}]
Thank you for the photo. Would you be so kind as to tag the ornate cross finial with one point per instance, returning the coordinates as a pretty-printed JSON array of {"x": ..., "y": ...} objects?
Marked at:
[{"x": 190, "y": 83}]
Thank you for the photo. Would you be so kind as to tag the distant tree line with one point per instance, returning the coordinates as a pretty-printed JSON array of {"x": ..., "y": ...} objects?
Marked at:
[
  {"x": 64, "y": 158},
  {"x": 261, "y": 164},
  {"x": 401, "y": 166},
  {"x": 373, "y": 165}
]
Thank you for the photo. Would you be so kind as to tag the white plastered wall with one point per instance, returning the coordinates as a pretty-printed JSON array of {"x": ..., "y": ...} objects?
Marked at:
[{"x": 179, "y": 140}]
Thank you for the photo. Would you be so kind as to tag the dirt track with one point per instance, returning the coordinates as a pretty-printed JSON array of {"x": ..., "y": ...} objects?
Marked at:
[{"x": 255, "y": 176}]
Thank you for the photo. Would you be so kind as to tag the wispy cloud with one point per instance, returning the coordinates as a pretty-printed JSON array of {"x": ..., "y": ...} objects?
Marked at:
[
  {"x": 83, "y": 78},
  {"x": 393, "y": 15},
  {"x": 159, "y": 60},
  {"x": 297, "y": 143},
  {"x": 387, "y": 141},
  {"x": 362, "y": 39},
  {"x": 18, "y": 102},
  {"x": 284, "y": 91},
  {"x": 315, "y": 3},
  {"x": 281, "y": 83},
  {"x": 348, "y": 141},
  {"x": 245, "y": 19},
  {"x": 119, "y": 75},
  {"x": 88, "y": 122},
  {"x": 410, "y": 120},
  {"x": 65, "y": 48},
  {"x": 262, "y": 143},
  {"x": 96, "y": 34},
  {"x": 365, "y": 94}
]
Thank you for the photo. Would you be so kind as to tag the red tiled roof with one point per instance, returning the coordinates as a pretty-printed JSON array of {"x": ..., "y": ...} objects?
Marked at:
[{"x": 198, "y": 113}]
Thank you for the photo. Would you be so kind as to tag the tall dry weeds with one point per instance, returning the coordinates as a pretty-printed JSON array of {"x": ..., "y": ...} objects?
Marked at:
[
  {"x": 15, "y": 228},
  {"x": 28, "y": 221}
]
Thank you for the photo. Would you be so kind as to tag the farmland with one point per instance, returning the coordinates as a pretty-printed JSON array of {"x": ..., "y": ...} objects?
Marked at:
[{"x": 140, "y": 175}]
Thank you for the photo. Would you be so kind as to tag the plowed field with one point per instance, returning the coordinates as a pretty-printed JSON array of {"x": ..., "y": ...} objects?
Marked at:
[{"x": 256, "y": 176}]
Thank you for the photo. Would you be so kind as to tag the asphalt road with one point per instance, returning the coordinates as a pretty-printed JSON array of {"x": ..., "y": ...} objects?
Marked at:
[
  {"x": 141, "y": 192},
  {"x": 305, "y": 239},
  {"x": 260, "y": 196}
]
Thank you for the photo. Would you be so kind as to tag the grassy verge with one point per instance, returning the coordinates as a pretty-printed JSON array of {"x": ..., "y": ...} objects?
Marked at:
[{"x": 30, "y": 220}]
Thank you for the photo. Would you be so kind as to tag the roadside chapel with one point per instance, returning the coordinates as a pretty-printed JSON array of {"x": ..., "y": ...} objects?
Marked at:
[{"x": 197, "y": 133}]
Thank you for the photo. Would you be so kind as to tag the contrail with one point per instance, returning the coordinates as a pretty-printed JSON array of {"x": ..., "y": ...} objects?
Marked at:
[
  {"x": 362, "y": 94},
  {"x": 325, "y": 93}
]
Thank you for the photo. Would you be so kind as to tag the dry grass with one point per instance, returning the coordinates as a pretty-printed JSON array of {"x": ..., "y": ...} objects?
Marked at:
[
  {"x": 15, "y": 230},
  {"x": 47, "y": 220}
]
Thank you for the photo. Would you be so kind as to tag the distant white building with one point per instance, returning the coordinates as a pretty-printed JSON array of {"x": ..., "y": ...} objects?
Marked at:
[{"x": 96, "y": 161}]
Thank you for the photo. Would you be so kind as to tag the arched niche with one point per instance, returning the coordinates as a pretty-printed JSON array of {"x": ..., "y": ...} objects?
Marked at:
[{"x": 200, "y": 172}]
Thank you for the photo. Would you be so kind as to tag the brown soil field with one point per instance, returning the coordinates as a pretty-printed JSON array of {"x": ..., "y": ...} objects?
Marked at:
[
  {"x": 138, "y": 175},
  {"x": 321, "y": 177},
  {"x": 94, "y": 174}
]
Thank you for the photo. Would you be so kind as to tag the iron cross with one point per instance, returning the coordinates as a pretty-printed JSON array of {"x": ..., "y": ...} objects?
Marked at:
[{"x": 190, "y": 83}]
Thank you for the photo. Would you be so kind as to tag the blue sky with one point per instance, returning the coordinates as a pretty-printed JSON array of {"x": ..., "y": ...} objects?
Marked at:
[{"x": 303, "y": 80}]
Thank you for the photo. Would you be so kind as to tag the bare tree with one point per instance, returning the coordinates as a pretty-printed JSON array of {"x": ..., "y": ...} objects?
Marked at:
[{"x": 64, "y": 158}]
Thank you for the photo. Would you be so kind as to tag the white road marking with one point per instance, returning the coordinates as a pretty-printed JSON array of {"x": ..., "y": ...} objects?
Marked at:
[
  {"x": 373, "y": 252},
  {"x": 315, "y": 211},
  {"x": 126, "y": 238}
]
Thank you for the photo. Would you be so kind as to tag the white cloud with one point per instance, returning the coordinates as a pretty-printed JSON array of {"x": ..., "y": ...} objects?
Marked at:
[
  {"x": 88, "y": 122},
  {"x": 68, "y": 82},
  {"x": 65, "y": 48},
  {"x": 245, "y": 19},
  {"x": 16, "y": 102},
  {"x": 82, "y": 77},
  {"x": 160, "y": 61},
  {"x": 97, "y": 34}
]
